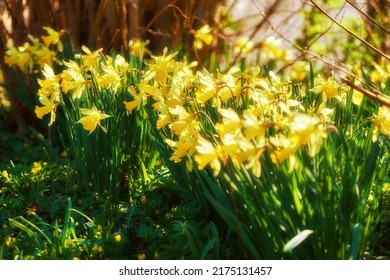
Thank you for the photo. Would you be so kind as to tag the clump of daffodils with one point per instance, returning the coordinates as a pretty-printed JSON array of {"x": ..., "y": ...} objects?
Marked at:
[
  {"x": 36, "y": 52},
  {"x": 91, "y": 71},
  {"x": 209, "y": 120},
  {"x": 213, "y": 120}
]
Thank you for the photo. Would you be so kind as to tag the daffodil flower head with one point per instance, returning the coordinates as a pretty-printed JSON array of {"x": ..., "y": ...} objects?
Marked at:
[
  {"x": 230, "y": 122},
  {"x": 272, "y": 50},
  {"x": 207, "y": 154},
  {"x": 73, "y": 79},
  {"x": 49, "y": 107},
  {"x": 382, "y": 121},
  {"x": 243, "y": 46},
  {"x": 20, "y": 57},
  {"x": 90, "y": 58},
  {"x": 299, "y": 71},
  {"x": 138, "y": 47},
  {"x": 380, "y": 73},
  {"x": 53, "y": 38},
  {"x": 92, "y": 118},
  {"x": 328, "y": 87},
  {"x": 203, "y": 37},
  {"x": 207, "y": 87},
  {"x": 163, "y": 66}
]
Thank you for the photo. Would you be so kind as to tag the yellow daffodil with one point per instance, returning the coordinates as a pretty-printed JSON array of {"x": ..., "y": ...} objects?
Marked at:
[
  {"x": 253, "y": 127},
  {"x": 243, "y": 46},
  {"x": 53, "y": 38},
  {"x": 49, "y": 106},
  {"x": 231, "y": 122},
  {"x": 328, "y": 87},
  {"x": 20, "y": 57},
  {"x": 182, "y": 148},
  {"x": 92, "y": 118},
  {"x": 138, "y": 47},
  {"x": 382, "y": 121},
  {"x": 90, "y": 58},
  {"x": 131, "y": 105},
  {"x": 164, "y": 117},
  {"x": 207, "y": 154},
  {"x": 203, "y": 37},
  {"x": 110, "y": 78},
  {"x": 299, "y": 71},
  {"x": 207, "y": 88},
  {"x": 306, "y": 129},
  {"x": 73, "y": 80},
  {"x": 380, "y": 73},
  {"x": 139, "y": 99},
  {"x": 186, "y": 144},
  {"x": 163, "y": 66},
  {"x": 45, "y": 56},
  {"x": 183, "y": 119},
  {"x": 271, "y": 49}
]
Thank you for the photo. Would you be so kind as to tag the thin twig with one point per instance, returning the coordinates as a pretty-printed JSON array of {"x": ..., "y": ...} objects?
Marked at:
[
  {"x": 150, "y": 23},
  {"x": 379, "y": 97},
  {"x": 378, "y": 51},
  {"x": 258, "y": 26},
  {"x": 370, "y": 18}
]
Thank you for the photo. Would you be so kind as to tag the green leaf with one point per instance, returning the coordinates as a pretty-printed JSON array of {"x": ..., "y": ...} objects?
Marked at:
[{"x": 296, "y": 240}]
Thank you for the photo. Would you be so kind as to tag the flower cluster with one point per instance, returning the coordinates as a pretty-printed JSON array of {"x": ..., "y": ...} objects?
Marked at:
[
  {"x": 214, "y": 120},
  {"x": 36, "y": 52},
  {"x": 208, "y": 119},
  {"x": 91, "y": 71}
]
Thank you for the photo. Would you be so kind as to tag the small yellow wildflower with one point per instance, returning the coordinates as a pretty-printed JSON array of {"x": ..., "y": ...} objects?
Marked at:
[
  {"x": 4, "y": 174},
  {"x": 37, "y": 167},
  {"x": 203, "y": 37},
  {"x": 92, "y": 119},
  {"x": 32, "y": 209},
  {"x": 10, "y": 241},
  {"x": 117, "y": 237},
  {"x": 141, "y": 256}
]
